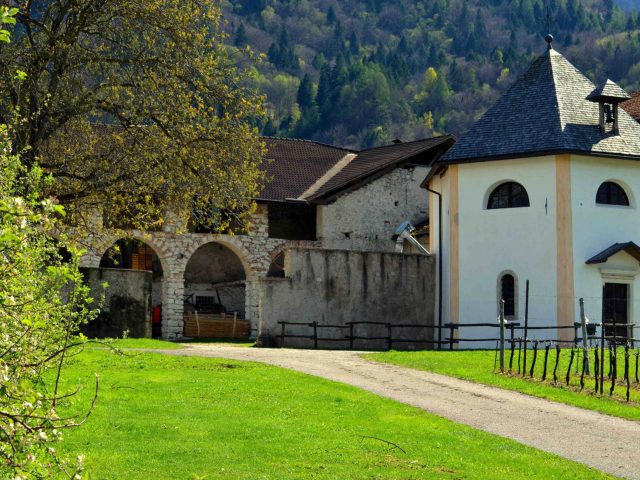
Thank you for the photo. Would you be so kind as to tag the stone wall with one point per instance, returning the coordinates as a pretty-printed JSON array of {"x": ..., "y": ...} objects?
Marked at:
[
  {"x": 366, "y": 218},
  {"x": 334, "y": 287},
  {"x": 127, "y": 302},
  {"x": 254, "y": 251}
]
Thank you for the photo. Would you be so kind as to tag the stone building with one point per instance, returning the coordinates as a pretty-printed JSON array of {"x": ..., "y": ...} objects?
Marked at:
[{"x": 317, "y": 197}]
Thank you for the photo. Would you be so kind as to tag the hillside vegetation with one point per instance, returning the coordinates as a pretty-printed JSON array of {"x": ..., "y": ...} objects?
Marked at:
[{"x": 361, "y": 73}]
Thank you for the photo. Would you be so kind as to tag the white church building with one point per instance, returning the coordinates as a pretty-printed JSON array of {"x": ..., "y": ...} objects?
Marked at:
[{"x": 544, "y": 187}]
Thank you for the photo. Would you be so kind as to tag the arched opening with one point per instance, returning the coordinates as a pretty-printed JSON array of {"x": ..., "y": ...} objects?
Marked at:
[
  {"x": 508, "y": 195},
  {"x": 276, "y": 269},
  {"x": 133, "y": 254},
  {"x": 215, "y": 293},
  {"x": 610, "y": 193},
  {"x": 508, "y": 291}
]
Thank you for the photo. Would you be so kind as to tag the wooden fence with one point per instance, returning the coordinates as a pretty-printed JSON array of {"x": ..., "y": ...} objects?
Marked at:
[{"x": 199, "y": 325}]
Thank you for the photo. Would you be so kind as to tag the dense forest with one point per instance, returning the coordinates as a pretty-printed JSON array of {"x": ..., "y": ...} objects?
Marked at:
[{"x": 360, "y": 73}]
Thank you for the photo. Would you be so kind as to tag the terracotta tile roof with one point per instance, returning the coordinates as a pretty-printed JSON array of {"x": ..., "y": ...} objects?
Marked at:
[
  {"x": 632, "y": 106},
  {"x": 377, "y": 161},
  {"x": 294, "y": 165},
  {"x": 546, "y": 112}
]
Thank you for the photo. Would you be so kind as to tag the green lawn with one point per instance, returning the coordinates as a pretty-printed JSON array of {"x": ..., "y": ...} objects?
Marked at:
[
  {"x": 478, "y": 366},
  {"x": 142, "y": 343},
  {"x": 167, "y": 417}
]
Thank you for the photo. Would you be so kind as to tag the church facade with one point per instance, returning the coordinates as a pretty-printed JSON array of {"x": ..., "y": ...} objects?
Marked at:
[{"x": 544, "y": 188}]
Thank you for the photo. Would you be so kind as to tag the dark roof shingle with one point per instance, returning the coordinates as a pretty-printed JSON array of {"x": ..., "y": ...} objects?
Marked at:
[
  {"x": 629, "y": 247},
  {"x": 546, "y": 111},
  {"x": 375, "y": 160}
]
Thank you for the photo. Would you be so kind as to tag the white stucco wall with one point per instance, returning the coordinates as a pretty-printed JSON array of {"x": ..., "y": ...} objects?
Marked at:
[
  {"x": 517, "y": 240},
  {"x": 597, "y": 227},
  {"x": 366, "y": 218}
]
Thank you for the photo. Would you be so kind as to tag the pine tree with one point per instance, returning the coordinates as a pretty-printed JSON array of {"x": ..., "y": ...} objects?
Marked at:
[
  {"x": 241, "y": 39},
  {"x": 305, "y": 93}
]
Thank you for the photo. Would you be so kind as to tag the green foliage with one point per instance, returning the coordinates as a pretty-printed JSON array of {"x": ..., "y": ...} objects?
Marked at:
[
  {"x": 134, "y": 107},
  {"x": 42, "y": 303},
  {"x": 337, "y": 46}
]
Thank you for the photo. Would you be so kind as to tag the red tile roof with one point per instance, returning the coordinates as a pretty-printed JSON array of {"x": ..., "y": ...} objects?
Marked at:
[
  {"x": 632, "y": 106},
  {"x": 294, "y": 166}
]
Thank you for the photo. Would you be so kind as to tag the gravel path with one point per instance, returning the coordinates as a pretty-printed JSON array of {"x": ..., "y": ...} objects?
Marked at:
[{"x": 607, "y": 443}]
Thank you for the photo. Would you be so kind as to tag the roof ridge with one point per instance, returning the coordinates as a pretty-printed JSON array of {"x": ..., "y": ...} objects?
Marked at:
[
  {"x": 441, "y": 137},
  {"x": 304, "y": 140}
]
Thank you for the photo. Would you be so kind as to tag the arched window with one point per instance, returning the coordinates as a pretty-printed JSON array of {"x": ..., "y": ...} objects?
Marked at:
[
  {"x": 507, "y": 290},
  {"x": 508, "y": 195},
  {"x": 611, "y": 193}
]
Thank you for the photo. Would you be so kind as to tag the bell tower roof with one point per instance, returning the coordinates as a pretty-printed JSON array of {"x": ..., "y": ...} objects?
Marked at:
[{"x": 608, "y": 91}]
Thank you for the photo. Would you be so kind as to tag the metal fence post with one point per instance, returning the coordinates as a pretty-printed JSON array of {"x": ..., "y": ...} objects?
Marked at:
[
  {"x": 585, "y": 340},
  {"x": 502, "y": 336},
  {"x": 389, "y": 340}
]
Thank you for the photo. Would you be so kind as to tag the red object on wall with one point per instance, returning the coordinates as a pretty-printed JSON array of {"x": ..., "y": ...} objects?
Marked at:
[{"x": 156, "y": 316}]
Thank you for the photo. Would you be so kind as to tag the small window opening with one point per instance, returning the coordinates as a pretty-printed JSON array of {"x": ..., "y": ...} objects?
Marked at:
[
  {"x": 508, "y": 195},
  {"x": 611, "y": 193},
  {"x": 508, "y": 291}
]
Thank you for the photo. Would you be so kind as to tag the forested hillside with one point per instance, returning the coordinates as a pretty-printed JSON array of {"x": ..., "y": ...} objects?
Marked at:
[{"x": 362, "y": 72}]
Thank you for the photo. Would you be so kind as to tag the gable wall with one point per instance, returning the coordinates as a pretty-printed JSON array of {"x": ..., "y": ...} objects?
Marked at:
[{"x": 371, "y": 214}]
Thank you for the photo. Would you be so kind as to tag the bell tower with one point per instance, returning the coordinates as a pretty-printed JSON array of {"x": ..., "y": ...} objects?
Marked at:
[{"x": 608, "y": 96}]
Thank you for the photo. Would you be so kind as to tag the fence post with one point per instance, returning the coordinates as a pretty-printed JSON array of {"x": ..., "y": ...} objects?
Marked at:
[
  {"x": 282, "y": 334},
  {"x": 526, "y": 329},
  {"x": 315, "y": 335},
  {"x": 502, "y": 336},
  {"x": 389, "y": 341},
  {"x": 602, "y": 355},
  {"x": 350, "y": 335},
  {"x": 451, "y": 334},
  {"x": 585, "y": 340}
]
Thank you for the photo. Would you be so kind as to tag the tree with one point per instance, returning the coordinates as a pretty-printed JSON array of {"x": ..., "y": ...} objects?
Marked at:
[
  {"x": 176, "y": 124},
  {"x": 42, "y": 303},
  {"x": 305, "y": 93},
  {"x": 241, "y": 39}
]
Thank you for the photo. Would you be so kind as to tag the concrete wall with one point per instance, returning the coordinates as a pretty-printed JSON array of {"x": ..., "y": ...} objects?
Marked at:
[
  {"x": 127, "y": 304},
  {"x": 366, "y": 218},
  {"x": 333, "y": 287}
]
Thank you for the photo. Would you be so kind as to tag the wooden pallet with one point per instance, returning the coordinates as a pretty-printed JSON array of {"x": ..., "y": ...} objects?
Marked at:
[{"x": 215, "y": 326}]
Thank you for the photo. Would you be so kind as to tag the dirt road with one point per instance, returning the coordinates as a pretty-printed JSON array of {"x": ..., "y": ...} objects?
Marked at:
[{"x": 607, "y": 443}]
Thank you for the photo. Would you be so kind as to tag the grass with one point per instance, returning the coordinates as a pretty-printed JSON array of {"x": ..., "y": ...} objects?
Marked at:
[
  {"x": 168, "y": 417},
  {"x": 234, "y": 342},
  {"x": 142, "y": 343},
  {"x": 478, "y": 366}
]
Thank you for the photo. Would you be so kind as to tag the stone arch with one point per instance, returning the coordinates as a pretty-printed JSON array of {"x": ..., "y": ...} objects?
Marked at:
[
  {"x": 232, "y": 243},
  {"x": 140, "y": 253},
  {"x": 149, "y": 240},
  {"x": 217, "y": 280}
]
